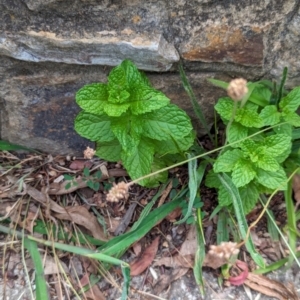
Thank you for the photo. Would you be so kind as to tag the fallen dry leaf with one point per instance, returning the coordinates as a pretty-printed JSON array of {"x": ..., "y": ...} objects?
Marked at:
[
  {"x": 185, "y": 257},
  {"x": 51, "y": 266},
  {"x": 240, "y": 279},
  {"x": 271, "y": 287},
  {"x": 80, "y": 164},
  {"x": 81, "y": 216},
  {"x": 95, "y": 293},
  {"x": 142, "y": 263},
  {"x": 137, "y": 248}
]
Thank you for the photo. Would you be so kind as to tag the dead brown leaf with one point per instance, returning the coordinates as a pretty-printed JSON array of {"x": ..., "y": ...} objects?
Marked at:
[
  {"x": 52, "y": 266},
  {"x": 185, "y": 257},
  {"x": 81, "y": 216},
  {"x": 80, "y": 164},
  {"x": 142, "y": 263},
  {"x": 94, "y": 293},
  {"x": 271, "y": 287}
]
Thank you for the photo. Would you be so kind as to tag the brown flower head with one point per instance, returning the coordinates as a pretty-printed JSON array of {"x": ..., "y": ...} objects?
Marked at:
[
  {"x": 118, "y": 192},
  {"x": 237, "y": 89},
  {"x": 224, "y": 250},
  {"x": 88, "y": 153}
]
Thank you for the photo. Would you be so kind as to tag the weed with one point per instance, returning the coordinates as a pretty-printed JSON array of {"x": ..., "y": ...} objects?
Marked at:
[{"x": 91, "y": 180}]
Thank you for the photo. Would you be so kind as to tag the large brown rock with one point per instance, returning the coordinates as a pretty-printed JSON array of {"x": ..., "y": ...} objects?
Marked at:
[{"x": 51, "y": 48}]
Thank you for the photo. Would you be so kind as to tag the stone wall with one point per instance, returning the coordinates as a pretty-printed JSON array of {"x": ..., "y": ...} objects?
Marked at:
[{"x": 51, "y": 48}]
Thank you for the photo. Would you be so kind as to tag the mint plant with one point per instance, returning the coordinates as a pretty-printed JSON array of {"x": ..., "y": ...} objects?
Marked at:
[
  {"x": 260, "y": 152},
  {"x": 131, "y": 121}
]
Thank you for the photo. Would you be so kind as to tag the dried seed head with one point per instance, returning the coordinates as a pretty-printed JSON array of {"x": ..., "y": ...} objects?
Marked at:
[
  {"x": 224, "y": 250},
  {"x": 88, "y": 153},
  {"x": 118, "y": 192},
  {"x": 237, "y": 89}
]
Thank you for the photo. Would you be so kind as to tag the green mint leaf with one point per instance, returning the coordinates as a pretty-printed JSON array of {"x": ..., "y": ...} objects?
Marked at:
[
  {"x": 68, "y": 185},
  {"x": 284, "y": 129},
  {"x": 237, "y": 132},
  {"x": 272, "y": 180},
  {"x": 86, "y": 172},
  {"x": 224, "y": 107},
  {"x": 249, "y": 147},
  {"x": 146, "y": 99},
  {"x": 243, "y": 172},
  {"x": 226, "y": 161},
  {"x": 115, "y": 110},
  {"x": 292, "y": 118},
  {"x": 284, "y": 155},
  {"x": 174, "y": 146},
  {"x": 126, "y": 76},
  {"x": 127, "y": 130},
  {"x": 138, "y": 162},
  {"x": 110, "y": 151},
  {"x": 224, "y": 196},
  {"x": 260, "y": 95},
  {"x": 270, "y": 115},
  {"x": 249, "y": 194},
  {"x": 268, "y": 162},
  {"x": 68, "y": 177},
  {"x": 212, "y": 180},
  {"x": 94, "y": 127},
  {"x": 291, "y": 101},
  {"x": 157, "y": 179},
  {"x": 248, "y": 116},
  {"x": 117, "y": 79},
  {"x": 118, "y": 96},
  {"x": 168, "y": 122},
  {"x": 277, "y": 144},
  {"x": 133, "y": 76},
  {"x": 92, "y": 97}
]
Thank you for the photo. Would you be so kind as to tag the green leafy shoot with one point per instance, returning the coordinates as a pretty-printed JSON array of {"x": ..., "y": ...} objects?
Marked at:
[{"x": 131, "y": 121}]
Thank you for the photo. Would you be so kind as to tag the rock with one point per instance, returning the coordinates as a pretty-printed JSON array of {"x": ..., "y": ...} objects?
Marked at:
[
  {"x": 149, "y": 52},
  {"x": 51, "y": 48}
]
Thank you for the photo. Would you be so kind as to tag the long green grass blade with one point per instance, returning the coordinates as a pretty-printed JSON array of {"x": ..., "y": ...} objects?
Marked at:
[
  {"x": 195, "y": 178},
  {"x": 291, "y": 221},
  {"x": 197, "y": 108},
  {"x": 41, "y": 285},
  {"x": 222, "y": 228},
  {"x": 119, "y": 243},
  {"x": 126, "y": 276},
  {"x": 200, "y": 253},
  {"x": 7, "y": 146},
  {"x": 239, "y": 212},
  {"x": 281, "y": 86}
]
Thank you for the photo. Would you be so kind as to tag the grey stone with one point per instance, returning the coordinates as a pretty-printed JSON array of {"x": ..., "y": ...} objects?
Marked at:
[
  {"x": 149, "y": 52},
  {"x": 49, "y": 49}
]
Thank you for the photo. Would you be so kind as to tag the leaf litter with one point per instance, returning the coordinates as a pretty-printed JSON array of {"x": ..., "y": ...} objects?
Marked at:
[{"x": 32, "y": 188}]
